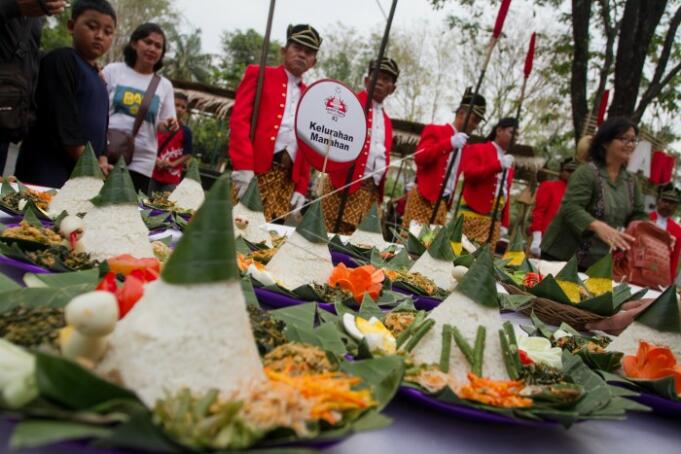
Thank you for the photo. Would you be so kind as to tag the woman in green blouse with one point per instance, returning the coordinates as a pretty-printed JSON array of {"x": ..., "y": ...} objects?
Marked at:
[{"x": 601, "y": 199}]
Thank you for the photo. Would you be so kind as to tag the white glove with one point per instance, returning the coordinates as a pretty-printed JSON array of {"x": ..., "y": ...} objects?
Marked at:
[
  {"x": 503, "y": 232},
  {"x": 459, "y": 140},
  {"x": 241, "y": 180},
  {"x": 535, "y": 247},
  {"x": 507, "y": 161},
  {"x": 297, "y": 201}
]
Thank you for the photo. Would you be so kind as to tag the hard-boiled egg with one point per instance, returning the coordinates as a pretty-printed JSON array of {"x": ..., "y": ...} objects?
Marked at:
[
  {"x": 377, "y": 336},
  {"x": 93, "y": 313},
  {"x": 540, "y": 351},
  {"x": 69, "y": 225}
]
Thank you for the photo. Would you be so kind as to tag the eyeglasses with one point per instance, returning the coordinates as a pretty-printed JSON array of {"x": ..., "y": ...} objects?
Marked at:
[{"x": 627, "y": 141}]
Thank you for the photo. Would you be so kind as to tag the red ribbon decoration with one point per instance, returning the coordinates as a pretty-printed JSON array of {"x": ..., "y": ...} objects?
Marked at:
[
  {"x": 602, "y": 107},
  {"x": 501, "y": 17},
  {"x": 529, "y": 58}
]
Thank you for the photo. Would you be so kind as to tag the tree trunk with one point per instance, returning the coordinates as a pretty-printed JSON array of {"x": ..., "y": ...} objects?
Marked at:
[
  {"x": 639, "y": 21},
  {"x": 581, "y": 15}
]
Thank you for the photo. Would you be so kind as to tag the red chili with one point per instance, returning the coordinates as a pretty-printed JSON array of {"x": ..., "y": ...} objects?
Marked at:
[
  {"x": 108, "y": 283},
  {"x": 525, "y": 358},
  {"x": 128, "y": 295},
  {"x": 73, "y": 239}
]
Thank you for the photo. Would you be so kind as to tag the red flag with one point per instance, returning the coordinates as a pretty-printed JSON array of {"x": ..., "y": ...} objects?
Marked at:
[
  {"x": 501, "y": 17},
  {"x": 529, "y": 58},
  {"x": 602, "y": 107}
]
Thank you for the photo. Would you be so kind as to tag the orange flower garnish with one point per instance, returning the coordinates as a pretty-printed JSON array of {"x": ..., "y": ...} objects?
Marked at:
[
  {"x": 358, "y": 281},
  {"x": 243, "y": 262},
  {"x": 652, "y": 363},
  {"x": 496, "y": 393}
]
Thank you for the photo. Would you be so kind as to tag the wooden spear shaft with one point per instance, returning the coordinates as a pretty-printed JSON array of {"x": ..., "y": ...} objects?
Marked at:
[
  {"x": 261, "y": 70},
  {"x": 504, "y": 174},
  {"x": 466, "y": 120},
  {"x": 370, "y": 98}
]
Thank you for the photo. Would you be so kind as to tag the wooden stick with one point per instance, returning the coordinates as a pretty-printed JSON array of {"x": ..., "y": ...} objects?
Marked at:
[{"x": 261, "y": 70}]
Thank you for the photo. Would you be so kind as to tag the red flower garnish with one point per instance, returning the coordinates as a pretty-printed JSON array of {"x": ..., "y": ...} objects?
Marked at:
[
  {"x": 129, "y": 294},
  {"x": 531, "y": 279},
  {"x": 108, "y": 283}
]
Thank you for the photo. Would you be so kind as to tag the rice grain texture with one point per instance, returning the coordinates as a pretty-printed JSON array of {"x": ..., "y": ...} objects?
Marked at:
[
  {"x": 371, "y": 239},
  {"x": 113, "y": 230},
  {"x": 74, "y": 197},
  {"x": 256, "y": 230},
  {"x": 300, "y": 262},
  {"x": 466, "y": 315},
  {"x": 188, "y": 194},
  {"x": 196, "y": 336},
  {"x": 439, "y": 271},
  {"x": 627, "y": 342}
]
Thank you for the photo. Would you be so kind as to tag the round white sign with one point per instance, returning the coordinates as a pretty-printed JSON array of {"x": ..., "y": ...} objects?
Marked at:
[{"x": 330, "y": 121}]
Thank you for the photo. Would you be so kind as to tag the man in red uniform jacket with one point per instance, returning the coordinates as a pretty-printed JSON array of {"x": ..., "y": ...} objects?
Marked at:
[
  {"x": 547, "y": 202},
  {"x": 282, "y": 172},
  {"x": 482, "y": 167},
  {"x": 667, "y": 203},
  {"x": 433, "y": 152},
  {"x": 371, "y": 166}
]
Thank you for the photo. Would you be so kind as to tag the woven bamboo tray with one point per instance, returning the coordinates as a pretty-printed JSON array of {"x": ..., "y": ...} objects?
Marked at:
[{"x": 554, "y": 313}]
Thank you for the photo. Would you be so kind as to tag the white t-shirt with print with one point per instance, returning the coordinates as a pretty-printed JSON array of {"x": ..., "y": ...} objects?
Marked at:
[{"x": 126, "y": 89}]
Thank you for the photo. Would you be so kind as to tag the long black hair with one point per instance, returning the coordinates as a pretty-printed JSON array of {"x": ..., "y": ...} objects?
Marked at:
[
  {"x": 612, "y": 128},
  {"x": 141, "y": 32}
]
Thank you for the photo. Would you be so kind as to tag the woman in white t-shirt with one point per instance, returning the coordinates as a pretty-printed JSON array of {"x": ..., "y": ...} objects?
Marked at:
[{"x": 127, "y": 82}]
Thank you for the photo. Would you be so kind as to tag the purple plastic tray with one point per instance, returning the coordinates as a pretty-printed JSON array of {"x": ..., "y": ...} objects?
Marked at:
[
  {"x": 462, "y": 411},
  {"x": 277, "y": 300},
  {"x": 15, "y": 269},
  {"x": 340, "y": 257},
  {"x": 660, "y": 405},
  {"x": 83, "y": 446},
  {"x": 422, "y": 303}
]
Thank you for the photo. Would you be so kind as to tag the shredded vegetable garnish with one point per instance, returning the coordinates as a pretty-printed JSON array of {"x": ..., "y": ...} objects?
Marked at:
[
  {"x": 505, "y": 394},
  {"x": 330, "y": 393}
]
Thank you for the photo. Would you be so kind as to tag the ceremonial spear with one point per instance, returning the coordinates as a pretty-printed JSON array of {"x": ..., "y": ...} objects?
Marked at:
[
  {"x": 529, "y": 60},
  {"x": 498, "y": 26},
  {"x": 261, "y": 70},
  {"x": 370, "y": 98}
]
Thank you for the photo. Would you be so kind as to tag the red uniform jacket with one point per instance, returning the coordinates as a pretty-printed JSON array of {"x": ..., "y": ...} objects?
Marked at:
[
  {"x": 675, "y": 230},
  {"x": 481, "y": 167},
  {"x": 432, "y": 154},
  {"x": 547, "y": 203},
  {"x": 338, "y": 179},
  {"x": 257, "y": 155}
]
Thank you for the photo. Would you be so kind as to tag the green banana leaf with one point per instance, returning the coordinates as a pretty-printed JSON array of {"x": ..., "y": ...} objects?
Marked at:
[
  {"x": 479, "y": 283},
  {"x": 206, "y": 251},
  {"x": 118, "y": 188},
  {"x": 663, "y": 313},
  {"x": 312, "y": 226},
  {"x": 87, "y": 165},
  {"x": 569, "y": 272}
]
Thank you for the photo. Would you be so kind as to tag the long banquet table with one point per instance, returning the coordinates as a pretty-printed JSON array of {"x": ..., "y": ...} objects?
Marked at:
[{"x": 420, "y": 430}]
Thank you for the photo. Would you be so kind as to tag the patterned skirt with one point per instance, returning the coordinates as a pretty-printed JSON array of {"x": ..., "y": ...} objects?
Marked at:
[
  {"x": 276, "y": 190},
  {"x": 476, "y": 226},
  {"x": 419, "y": 209},
  {"x": 358, "y": 204}
]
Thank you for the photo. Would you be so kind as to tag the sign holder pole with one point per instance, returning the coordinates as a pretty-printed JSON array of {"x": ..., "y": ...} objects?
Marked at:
[
  {"x": 370, "y": 97},
  {"x": 261, "y": 70}
]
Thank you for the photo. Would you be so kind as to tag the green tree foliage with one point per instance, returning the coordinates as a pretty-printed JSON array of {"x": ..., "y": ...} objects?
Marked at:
[
  {"x": 186, "y": 62},
  {"x": 132, "y": 13},
  {"x": 240, "y": 49},
  {"x": 55, "y": 34},
  {"x": 627, "y": 46},
  {"x": 210, "y": 137}
]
